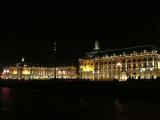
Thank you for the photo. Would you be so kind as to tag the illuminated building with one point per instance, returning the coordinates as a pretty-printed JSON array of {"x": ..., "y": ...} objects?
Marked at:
[
  {"x": 22, "y": 71},
  {"x": 142, "y": 62}
]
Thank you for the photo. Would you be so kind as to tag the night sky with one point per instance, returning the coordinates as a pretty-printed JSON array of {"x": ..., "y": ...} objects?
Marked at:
[{"x": 75, "y": 28}]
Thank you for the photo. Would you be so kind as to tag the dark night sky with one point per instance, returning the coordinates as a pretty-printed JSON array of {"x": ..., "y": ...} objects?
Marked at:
[{"x": 75, "y": 28}]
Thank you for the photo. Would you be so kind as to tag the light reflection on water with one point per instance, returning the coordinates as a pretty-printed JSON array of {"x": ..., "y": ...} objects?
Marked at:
[
  {"x": 5, "y": 93},
  {"x": 28, "y": 104},
  {"x": 5, "y": 99},
  {"x": 119, "y": 107}
]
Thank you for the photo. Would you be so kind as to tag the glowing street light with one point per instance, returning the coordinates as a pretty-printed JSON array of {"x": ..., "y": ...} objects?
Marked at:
[
  {"x": 119, "y": 64},
  {"x": 151, "y": 69},
  {"x": 5, "y": 71},
  {"x": 55, "y": 50}
]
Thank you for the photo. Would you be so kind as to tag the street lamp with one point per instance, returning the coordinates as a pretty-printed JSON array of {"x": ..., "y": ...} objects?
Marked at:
[{"x": 55, "y": 50}]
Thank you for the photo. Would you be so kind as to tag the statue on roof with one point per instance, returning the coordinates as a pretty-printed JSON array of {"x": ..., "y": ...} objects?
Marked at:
[
  {"x": 96, "y": 45},
  {"x": 22, "y": 59}
]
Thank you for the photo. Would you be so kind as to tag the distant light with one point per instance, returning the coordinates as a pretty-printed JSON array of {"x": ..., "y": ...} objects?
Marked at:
[
  {"x": 88, "y": 68},
  {"x": 118, "y": 64},
  {"x": 64, "y": 72},
  {"x": 55, "y": 47},
  {"x": 143, "y": 69},
  {"x": 22, "y": 59},
  {"x": 5, "y": 71},
  {"x": 151, "y": 69}
]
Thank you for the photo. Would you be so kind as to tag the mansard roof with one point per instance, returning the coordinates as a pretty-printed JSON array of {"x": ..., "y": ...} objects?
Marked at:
[{"x": 121, "y": 51}]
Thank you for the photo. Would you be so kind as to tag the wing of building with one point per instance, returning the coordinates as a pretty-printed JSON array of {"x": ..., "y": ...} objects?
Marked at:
[
  {"x": 28, "y": 71},
  {"x": 141, "y": 62}
]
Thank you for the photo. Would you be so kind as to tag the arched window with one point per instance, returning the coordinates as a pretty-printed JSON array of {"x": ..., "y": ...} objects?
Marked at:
[
  {"x": 134, "y": 60},
  {"x": 129, "y": 66},
  {"x": 123, "y": 61},
  {"x": 139, "y": 60},
  {"x": 129, "y": 61},
  {"x": 114, "y": 66},
  {"x": 123, "y": 67},
  {"x": 145, "y": 65},
  {"x": 145, "y": 59},
  {"x": 139, "y": 66},
  {"x": 150, "y": 64},
  {"x": 134, "y": 66},
  {"x": 101, "y": 63},
  {"x": 150, "y": 59}
]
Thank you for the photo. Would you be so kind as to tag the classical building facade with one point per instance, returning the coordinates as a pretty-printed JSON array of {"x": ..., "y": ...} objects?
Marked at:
[
  {"x": 142, "y": 62},
  {"x": 23, "y": 71}
]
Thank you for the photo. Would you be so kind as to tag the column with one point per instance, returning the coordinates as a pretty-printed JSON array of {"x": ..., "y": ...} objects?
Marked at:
[
  {"x": 137, "y": 69},
  {"x": 131, "y": 69},
  {"x": 126, "y": 67},
  {"x": 148, "y": 76}
]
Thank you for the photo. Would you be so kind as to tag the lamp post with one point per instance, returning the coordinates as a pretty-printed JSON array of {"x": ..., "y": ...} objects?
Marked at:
[{"x": 55, "y": 50}]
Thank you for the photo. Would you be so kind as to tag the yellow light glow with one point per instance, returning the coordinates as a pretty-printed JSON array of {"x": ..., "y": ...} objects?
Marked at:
[
  {"x": 118, "y": 64},
  {"x": 124, "y": 76},
  {"x": 158, "y": 64},
  {"x": 26, "y": 72},
  {"x": 87, "y": 68},
  {"x": 15, "y": 72}
]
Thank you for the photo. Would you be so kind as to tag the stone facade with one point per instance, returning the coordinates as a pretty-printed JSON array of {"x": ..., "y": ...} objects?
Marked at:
[
  {"x": 142, "y": 62},
  {"x": 37, "y": 72}
]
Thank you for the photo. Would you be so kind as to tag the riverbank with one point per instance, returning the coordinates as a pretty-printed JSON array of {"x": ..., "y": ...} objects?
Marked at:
[{"x": 134, "y": 87}]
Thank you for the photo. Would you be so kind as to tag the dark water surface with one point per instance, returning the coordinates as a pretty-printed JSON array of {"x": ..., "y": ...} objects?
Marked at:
[{"x": 29, "y": 104}]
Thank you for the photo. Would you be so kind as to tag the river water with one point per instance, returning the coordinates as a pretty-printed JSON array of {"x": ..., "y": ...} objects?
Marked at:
[{"x": 29, "y": 104}]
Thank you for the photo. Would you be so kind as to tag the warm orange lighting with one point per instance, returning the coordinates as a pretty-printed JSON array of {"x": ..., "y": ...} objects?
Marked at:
[
  {"x": 119, "y": 64},
  {"x": 26, "y": 72},
  {"x": 87, "y": 68},
  {"x": 15, "y": 72}
]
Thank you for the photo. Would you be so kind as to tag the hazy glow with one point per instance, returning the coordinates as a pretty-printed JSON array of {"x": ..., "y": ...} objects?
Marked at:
[
  {"x": 64, "y": 72},
  {"x": 26, "y": 72},
  {"x": 15, "y": 72},
  {"x": 151, "y": 69},
  {"x": 158, "y": 65},
  {"x": 87, "y": 68},
  {"x": 124, "y": 76},
  {"x": 4, "y": 71},
  {"x": 118, "y": 64},
  {"x": 22, "y": 59}
]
